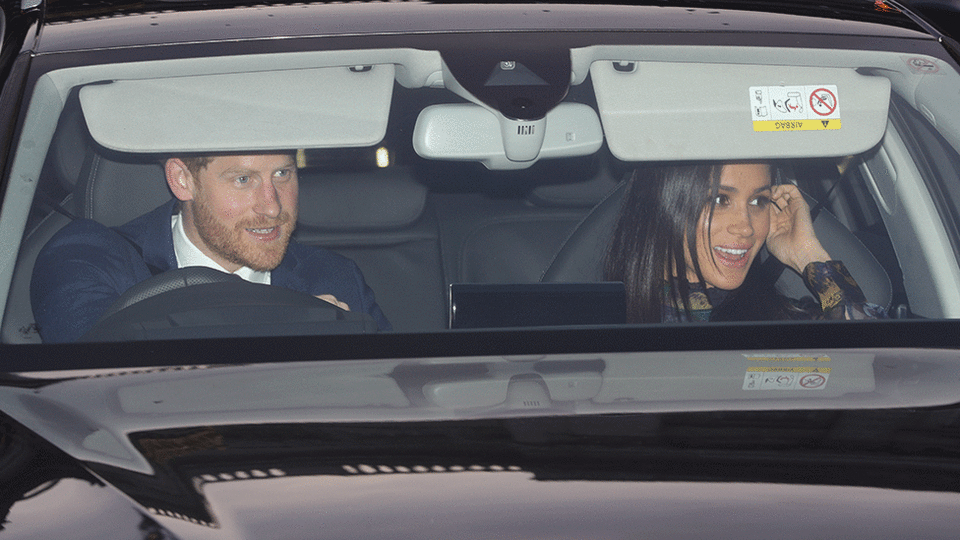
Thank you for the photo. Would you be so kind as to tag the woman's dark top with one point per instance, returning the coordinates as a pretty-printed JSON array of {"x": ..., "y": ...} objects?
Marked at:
[{"x": 838, "y": 293}]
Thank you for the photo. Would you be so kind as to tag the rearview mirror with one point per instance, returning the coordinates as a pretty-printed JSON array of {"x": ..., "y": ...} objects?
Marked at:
[{"x": 468, "y": 132}]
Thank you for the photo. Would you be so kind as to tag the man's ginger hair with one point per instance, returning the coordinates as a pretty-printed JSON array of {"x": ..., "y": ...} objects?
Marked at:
[{"x": 195, "y": 164}]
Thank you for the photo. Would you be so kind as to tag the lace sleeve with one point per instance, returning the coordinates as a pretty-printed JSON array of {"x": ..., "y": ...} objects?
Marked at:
[{"x": 840, "y": 296}]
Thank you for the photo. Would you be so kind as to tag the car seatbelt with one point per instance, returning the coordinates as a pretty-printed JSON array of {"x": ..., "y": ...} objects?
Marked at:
[{"x": 47, "y": 200}]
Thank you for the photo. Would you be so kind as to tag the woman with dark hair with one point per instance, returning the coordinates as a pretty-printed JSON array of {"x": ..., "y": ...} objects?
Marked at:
[{"x": 687, "y": 238}]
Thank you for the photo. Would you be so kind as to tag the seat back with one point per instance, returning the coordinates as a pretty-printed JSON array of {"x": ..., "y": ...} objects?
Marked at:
[
  {"x": 581, "y": 257},
  {"x": 491, "y": 240},
  {"x": 108, "y": 188},
  {"x": 382, "y": 221}
]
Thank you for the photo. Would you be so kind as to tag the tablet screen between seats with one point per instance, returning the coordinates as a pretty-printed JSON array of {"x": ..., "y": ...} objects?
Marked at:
[{"x": 498, "y": 305}]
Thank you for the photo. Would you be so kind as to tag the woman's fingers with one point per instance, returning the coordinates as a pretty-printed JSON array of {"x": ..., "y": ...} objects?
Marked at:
[{"x": 792, "y": 238}]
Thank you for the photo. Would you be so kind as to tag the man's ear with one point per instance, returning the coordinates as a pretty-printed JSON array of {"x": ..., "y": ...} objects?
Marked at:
[{"x": 179, "y": 179}]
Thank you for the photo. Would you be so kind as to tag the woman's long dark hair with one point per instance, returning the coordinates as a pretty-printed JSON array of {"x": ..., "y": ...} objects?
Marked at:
[{"x": 658, "y": 218}]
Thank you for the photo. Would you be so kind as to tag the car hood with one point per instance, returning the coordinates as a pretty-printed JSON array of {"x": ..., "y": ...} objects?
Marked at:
[{"x": 539, "y": 446}]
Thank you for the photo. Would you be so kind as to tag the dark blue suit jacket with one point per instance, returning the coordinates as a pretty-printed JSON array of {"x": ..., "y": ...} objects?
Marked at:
[{"x": 86, "y": 266}]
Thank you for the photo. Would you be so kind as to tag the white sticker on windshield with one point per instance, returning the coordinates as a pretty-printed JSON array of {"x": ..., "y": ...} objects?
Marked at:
[
  {"x": 779, "y": 380},
  {"x": 787, "y": 372},
  {"x": 795, "y": 108},
  {"x": 924, "y": 66}
]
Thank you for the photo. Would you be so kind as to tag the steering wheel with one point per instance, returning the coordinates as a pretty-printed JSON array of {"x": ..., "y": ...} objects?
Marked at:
[{"x": 198, "y": 302}]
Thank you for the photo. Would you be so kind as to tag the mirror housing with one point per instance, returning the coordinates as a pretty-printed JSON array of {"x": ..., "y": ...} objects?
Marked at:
[{"x": 468, "y": 132}]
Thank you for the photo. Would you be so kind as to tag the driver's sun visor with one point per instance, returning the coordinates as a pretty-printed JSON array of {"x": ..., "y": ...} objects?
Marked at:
[
  {"x": 694, "y": 111},
  {"x": 270, "y": 110}
]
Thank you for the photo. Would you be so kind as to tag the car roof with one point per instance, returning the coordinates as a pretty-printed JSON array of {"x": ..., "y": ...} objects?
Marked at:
[
  {"x": 864, "y": 10},
  {"x": 70, "y": 26}
]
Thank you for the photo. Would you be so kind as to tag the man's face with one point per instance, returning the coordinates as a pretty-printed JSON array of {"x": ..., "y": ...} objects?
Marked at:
[{"x": 242, "y": 210}]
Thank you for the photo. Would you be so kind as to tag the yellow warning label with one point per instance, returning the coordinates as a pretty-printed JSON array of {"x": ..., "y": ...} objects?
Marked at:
[
  {"x": 795, "y": 125},
  {"x": 805, "y": 369},
  {"x": 788, "y": 358}
]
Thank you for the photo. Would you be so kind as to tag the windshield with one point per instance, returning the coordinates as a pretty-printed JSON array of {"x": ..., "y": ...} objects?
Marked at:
[{"x": 460, "y": 183}]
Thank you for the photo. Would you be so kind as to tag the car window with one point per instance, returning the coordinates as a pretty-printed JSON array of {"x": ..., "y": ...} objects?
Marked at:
[{"x": 441, "y": 188}]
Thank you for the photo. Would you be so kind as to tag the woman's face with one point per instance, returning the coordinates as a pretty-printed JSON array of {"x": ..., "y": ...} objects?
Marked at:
[{"x": 727, "y": 246}]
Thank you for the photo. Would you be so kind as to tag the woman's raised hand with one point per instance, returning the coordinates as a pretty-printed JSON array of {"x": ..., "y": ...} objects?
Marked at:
[{"x": 792, "y": 239}]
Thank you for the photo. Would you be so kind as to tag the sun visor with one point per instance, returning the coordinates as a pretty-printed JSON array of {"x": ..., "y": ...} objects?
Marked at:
[
  {"x": 689, "y": 111},
  {"x": 306, "y": 108}
]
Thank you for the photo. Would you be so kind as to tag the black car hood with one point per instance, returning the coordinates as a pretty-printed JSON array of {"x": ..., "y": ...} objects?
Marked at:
[{"x": 489, "y": 447}]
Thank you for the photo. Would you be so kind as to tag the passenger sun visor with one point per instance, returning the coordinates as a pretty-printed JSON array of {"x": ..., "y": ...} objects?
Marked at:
[
  {"x": 272, "y": 110},
  {"x": 694, "y": 111}
]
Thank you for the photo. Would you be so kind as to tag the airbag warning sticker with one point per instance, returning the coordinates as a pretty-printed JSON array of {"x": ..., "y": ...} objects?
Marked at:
[
  {"x": 787, "y": 373},
  {"x": 795, "y": 108}
]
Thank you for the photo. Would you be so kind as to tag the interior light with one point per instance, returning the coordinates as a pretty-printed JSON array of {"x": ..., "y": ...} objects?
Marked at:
[{"x": 383, "y": 157}]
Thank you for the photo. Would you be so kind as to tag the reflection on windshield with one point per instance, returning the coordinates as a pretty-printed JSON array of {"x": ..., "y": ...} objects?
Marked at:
[{"x": 227, "y": 451}]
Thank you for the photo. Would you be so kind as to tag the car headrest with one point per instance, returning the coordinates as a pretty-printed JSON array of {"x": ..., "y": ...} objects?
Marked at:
[
  {"x": 574, "y": 195},
  {"x": 581, "y": 257},
  {"x": 115, "y": 189},
  {"x": 70, "y": 147},
  {"x": 377, "y": 200}
]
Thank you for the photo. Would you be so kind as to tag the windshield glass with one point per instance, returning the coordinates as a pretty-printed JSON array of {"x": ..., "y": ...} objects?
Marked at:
[{"x": 455, "y": 184}]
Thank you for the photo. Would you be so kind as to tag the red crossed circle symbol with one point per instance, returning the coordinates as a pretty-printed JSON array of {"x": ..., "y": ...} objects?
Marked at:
[{"x": 823, "y": 102}]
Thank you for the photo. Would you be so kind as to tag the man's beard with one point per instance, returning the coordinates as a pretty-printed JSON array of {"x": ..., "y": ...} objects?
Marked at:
[{"x": 230, "y": 245}]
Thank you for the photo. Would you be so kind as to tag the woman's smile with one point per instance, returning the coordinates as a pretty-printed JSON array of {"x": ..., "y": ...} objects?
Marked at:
[{"x": 732, "y": 257}]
